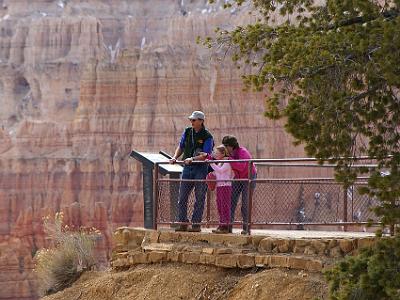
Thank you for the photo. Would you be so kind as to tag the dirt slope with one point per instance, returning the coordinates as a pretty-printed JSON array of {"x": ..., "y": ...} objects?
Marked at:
[{"x": 172, "y": 281}]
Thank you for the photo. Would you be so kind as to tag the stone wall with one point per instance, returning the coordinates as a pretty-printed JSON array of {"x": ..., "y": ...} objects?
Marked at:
[{"x": 138, "y": 246}]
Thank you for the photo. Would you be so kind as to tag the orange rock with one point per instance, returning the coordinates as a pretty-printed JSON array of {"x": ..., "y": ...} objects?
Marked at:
[{"x": 81, "y": 86}]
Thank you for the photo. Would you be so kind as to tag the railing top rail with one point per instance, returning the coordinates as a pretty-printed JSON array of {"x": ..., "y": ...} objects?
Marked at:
[
  {"x": 292, "y": 159},
  {"x": 277, "y": 163},
  {"x": 255, "y": 160}
]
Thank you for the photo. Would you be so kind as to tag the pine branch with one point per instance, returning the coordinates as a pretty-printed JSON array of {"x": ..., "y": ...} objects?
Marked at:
[{"x": 388, "y": 14}]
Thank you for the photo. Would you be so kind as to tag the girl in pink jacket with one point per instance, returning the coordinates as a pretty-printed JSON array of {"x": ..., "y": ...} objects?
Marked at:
[{"x": 224, "y": 174}]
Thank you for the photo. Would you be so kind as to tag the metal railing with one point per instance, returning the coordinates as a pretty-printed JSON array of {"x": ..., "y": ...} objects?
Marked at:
[{"x": 288, "y": 193}]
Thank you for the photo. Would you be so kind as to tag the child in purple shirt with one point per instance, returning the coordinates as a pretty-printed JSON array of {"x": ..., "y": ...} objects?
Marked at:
[{"x": 224, "y": 174}]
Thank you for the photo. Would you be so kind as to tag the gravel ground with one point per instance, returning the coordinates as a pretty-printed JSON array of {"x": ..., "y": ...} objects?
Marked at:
[{"x": 178, "y": 281}]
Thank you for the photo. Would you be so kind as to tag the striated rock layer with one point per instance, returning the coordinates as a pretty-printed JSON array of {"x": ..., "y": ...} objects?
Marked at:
[{"x": 84, "y": 82}]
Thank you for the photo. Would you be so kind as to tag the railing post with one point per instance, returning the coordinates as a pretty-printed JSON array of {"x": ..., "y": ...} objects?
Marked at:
[
  {"x": 352, "y": 204},
  {"x": 249, "y": 196},
  {"x": 208, "y": 217},
  {"x": 155, "y": 196},
  {"x": 345, "y": 207},
  {"x": 391, "y": 226},
  {"x": 173, "y": 199},
  {"x": 208, "y": 202}
]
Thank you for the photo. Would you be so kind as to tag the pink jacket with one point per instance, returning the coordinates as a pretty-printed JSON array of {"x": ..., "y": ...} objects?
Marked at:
[
  {"x": 241, "y": 169},
  {"x": 223, "y": 172}
]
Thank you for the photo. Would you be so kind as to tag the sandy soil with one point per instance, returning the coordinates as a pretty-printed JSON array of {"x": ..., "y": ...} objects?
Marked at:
[{"x": 175, "y": 281}]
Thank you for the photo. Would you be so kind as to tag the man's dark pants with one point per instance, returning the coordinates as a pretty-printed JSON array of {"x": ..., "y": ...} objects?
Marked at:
[{"x": 195, "y": 171}]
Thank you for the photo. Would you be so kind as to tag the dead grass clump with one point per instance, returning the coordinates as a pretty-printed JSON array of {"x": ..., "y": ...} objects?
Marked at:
[{"x": 70, "y": 254}]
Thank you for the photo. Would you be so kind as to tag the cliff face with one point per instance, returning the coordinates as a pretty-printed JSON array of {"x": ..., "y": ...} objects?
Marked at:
[{"x": 84, "y": 82}]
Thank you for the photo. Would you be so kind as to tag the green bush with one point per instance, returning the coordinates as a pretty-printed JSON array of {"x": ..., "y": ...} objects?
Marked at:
[
  {"x": 71, "y": 254},
  {"x": 372, "y": 275}
]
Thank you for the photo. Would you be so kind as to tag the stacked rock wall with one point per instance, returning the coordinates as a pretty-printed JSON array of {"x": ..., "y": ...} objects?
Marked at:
[{"x": 136, "y": 246}]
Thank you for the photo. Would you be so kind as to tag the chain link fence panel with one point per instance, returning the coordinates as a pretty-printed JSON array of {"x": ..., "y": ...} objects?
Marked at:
[{"x": 309, "y": 196}]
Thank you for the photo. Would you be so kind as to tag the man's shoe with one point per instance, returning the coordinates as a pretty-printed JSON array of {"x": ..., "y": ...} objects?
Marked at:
[
  {"x": 194, "y": 228},
  {"x": 221, "y": 230},
  {"x": 181, "y": 228},
  {"x": 245, "y": 232},
  {"x": 215, "y": 230}
]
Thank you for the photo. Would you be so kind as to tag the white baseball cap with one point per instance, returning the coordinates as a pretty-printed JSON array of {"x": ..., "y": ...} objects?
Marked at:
[{"x": 197, "y": 115}]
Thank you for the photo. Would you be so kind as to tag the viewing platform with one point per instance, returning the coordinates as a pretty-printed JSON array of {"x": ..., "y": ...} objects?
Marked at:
[{"x": 306, "y": 221}]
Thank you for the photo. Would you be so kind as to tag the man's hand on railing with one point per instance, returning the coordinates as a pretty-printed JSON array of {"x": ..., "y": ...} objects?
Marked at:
[
  {"x": 201, "y": 156},
  {"x": 177, "y": 154},
  {"x": 188, "y": 161}
]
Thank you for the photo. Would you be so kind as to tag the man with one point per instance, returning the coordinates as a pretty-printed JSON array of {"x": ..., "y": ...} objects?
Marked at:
[
  {"x": 241, "y": 172},
  {"x": 195, "y": 144}
]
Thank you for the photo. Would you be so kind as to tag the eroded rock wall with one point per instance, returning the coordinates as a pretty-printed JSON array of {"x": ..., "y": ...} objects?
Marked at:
[{"x": 84, "y": 82}]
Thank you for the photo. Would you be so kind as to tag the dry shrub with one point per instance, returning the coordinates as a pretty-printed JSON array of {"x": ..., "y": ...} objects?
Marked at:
[{"x": 71, "y": 253}]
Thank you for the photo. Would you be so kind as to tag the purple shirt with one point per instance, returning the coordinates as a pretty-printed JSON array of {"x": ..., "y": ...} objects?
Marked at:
[{"x": 241, "y": 169}]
